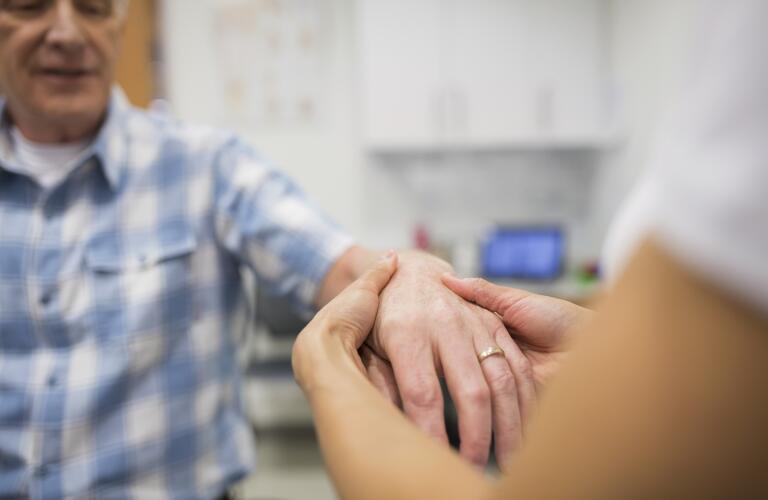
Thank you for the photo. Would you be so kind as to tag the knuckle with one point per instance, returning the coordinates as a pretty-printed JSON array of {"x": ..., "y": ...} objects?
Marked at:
[
  {"x": 502, "y": 381},
  {"x": 474, "y": 283},
  {"x": 342, "y": 324},
  {"x": 477, "y": 396},
  {"x": 423, "y": 396},
  {"x": 482, "y": 288},
  {"x": 524, "y": 369}
]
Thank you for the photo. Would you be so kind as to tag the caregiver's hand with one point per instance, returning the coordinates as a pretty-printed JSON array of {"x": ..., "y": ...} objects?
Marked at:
[
  {"x": 345, "y": 321},
  {"x": 539, "y": 325}
]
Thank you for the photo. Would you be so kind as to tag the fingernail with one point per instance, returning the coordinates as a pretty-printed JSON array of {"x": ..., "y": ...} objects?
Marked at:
[{"x": 388, "y": 256}]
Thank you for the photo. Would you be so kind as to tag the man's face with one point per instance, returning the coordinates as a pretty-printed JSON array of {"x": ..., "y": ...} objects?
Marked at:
[{"x": 57, "y": 58}]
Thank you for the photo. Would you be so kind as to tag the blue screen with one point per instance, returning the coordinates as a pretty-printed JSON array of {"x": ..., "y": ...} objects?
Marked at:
[{"x": 524, "y": 253}]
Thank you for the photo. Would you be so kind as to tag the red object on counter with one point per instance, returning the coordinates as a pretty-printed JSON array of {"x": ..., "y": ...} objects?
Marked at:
[{"x": 421, "y": 238}]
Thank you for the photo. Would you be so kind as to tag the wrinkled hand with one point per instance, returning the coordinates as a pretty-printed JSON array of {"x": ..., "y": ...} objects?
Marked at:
[
  {"x": 540, "y": 325},
  {"x": 424, "y": 331}
]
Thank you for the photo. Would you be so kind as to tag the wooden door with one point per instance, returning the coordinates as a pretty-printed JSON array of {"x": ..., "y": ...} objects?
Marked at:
[{"x": 135, "y": 67}]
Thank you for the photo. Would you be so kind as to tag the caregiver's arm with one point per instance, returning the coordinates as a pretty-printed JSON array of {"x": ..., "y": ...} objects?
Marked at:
[{"x": 664, "y": 396}]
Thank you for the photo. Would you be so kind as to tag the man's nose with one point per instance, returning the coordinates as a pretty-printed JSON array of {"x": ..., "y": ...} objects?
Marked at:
[{"x": 65, "y": 31}]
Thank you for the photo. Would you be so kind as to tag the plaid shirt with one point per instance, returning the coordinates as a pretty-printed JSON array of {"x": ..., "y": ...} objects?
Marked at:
[{"x": 121, "y": 307}]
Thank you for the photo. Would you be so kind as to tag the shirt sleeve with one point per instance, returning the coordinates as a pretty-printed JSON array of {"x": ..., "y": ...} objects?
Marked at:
[
  {"x": 711, "y": 167},
  {"x": 264, "y": 219}
]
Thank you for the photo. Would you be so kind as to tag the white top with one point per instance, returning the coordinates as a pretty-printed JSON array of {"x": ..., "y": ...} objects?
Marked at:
[
  {"x": 629, "y": 228},
  {"x": 47, "y": 164},
  {"x": 707, "y": 192}
]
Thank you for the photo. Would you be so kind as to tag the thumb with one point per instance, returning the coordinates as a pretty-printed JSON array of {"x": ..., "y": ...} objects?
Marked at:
[
  {"x": 377, "y": 277},
  {"x": 354, "y": 310}
]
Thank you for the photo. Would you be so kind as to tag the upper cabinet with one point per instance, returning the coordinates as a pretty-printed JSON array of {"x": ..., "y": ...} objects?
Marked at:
[{"x": 483, "y": 73}]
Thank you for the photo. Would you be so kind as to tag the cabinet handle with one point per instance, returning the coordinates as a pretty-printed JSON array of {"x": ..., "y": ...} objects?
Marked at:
[
  {"x": 461, "y": 108},
  {"x": 440, "y": 105},
  {"x": 545, "y": 108}
]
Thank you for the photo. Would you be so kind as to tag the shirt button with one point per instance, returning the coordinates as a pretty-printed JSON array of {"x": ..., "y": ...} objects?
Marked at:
[
  {"x": 46, "y": 298},
  {"x": 42, "y": 470},
  {"x": 53, "y": 381}
]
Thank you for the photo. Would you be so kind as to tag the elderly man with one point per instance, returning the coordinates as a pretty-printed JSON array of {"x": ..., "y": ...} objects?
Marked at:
[{"x": 122, "y": 237}]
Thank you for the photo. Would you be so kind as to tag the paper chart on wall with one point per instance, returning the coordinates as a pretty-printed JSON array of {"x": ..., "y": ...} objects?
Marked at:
[{"x": 270, "y": 57}]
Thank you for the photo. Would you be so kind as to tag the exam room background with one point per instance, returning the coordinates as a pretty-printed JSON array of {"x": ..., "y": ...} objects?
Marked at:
[
  {"x": 456, "y": 195},
  {"x": 381, "y": 200}
]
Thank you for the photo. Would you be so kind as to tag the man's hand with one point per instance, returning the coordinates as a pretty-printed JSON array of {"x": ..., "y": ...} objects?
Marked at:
[
  {"x": 425, "y": 331},
  {"x": 540, "y": 325}
]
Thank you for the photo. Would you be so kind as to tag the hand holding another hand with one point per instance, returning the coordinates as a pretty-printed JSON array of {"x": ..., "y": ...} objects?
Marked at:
[
  {"x": 420, "y": 330},
  {"x": 540, "y": 325},
  {"x": 345, "y": 321},
  {"x": 425, "y": 332}
]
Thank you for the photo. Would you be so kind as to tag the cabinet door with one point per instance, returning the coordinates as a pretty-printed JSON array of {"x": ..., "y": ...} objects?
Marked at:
[
  {"x": 569, "y": 73},
  {"x": 401, "y": 43},
  {"x": 524, "y": 72},
  {"x": 490, "y": 72}
]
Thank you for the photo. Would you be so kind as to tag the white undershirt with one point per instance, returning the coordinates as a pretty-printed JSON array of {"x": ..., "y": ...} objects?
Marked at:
[
  {"x": 47, "y": 164},
  {"x": 706, "y": 194}
]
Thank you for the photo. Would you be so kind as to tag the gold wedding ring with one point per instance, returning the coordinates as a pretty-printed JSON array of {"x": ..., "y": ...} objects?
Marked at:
[{"x": 491, "y": 351}]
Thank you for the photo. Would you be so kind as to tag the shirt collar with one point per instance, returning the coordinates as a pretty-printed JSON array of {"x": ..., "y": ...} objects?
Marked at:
[{"x": 109, "y": 146}]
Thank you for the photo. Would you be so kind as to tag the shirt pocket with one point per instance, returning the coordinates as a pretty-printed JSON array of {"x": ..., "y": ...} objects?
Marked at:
[{"x": 144, "y": 289}]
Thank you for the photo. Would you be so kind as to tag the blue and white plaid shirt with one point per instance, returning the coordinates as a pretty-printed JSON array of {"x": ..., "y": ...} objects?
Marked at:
[{"x": 121, "y": 306}]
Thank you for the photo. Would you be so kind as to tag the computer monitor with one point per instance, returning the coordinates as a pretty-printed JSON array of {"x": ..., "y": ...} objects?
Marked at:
[{"x": 524, "y": 253}]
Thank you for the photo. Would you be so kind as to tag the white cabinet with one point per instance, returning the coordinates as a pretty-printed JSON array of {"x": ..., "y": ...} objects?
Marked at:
[
  {"x": 401, "y": 53},
  {"x": 481, "y": 73}
]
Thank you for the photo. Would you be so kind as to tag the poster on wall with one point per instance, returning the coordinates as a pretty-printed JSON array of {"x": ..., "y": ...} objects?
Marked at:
[{"x": 271, "y": 57}]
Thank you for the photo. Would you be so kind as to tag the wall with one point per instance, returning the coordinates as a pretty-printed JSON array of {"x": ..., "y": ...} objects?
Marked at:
[
  {"x": 650, "y": 44},
  {"x": 381, "y": 198},
  {"x": 325, "y": 161}
]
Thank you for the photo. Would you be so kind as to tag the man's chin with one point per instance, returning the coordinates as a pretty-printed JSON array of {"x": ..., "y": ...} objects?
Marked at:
[{"x": 74, "y": 114}]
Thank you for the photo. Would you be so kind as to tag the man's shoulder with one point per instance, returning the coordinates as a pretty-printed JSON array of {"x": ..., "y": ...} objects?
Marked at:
[{"x": 165, "y": 132}]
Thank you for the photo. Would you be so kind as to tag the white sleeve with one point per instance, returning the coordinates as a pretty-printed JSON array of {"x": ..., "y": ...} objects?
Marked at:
[{"x": 711, "y": 167}]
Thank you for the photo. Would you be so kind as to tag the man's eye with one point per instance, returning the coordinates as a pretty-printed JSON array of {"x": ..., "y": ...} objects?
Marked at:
[
  {"x": 24, "y": 6},
  {"x": 96, "y": 8}
]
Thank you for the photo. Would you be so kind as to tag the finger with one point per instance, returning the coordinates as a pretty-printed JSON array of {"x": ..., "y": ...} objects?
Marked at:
[
  {"x": 380, "y": 374},
  {"x": 519, "y": 364},
  {"x": 377, "y": 277},
  {"x": 523, "y": 372},
  {"x": 471, "y": 395},
  {"x": 488, "y": 295},
  {"x": 354, "y": 310},
  {"x": 422, "y": 398},
  {"x": 505, "y": 397}
]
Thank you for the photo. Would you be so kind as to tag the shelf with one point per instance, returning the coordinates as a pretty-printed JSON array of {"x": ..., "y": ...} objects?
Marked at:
[
  {"x": 566, "y": 289},
  {"x": 597, "y": 142}
]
